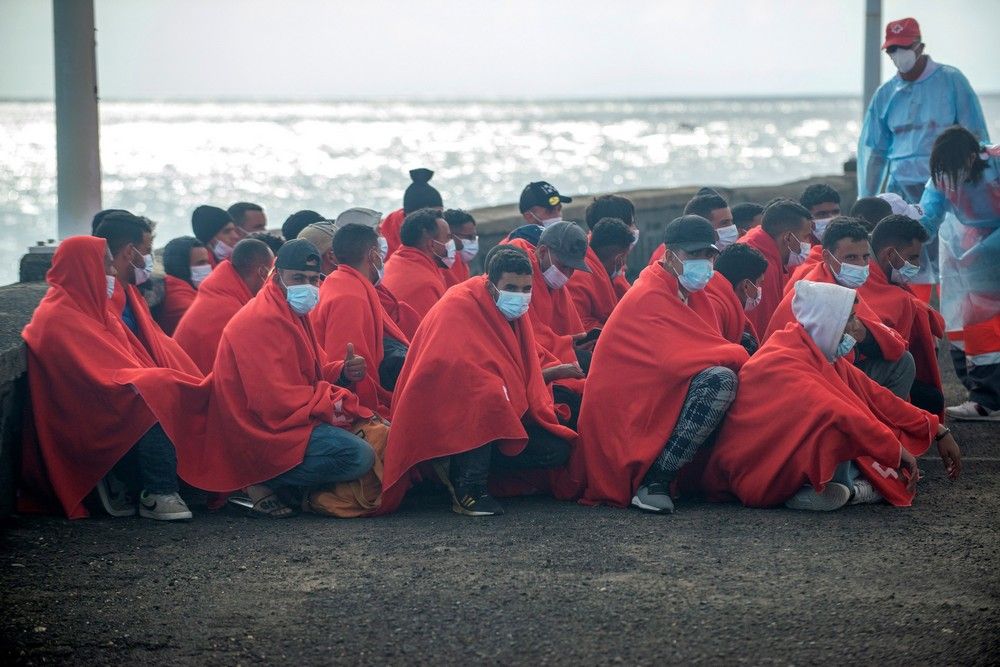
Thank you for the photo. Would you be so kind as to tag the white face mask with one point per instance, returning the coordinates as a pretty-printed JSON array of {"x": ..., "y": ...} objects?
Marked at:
[
  {"x": 797, "y": 258},
  {"x": 142, "y": 273},
  {"x": 752, "y": 302},
  {"x": 727, "y": 236},
  {"x": 821, "y": 224},
  {"x": 449, "y": 248},
  {"x": 383, "y": 247},
  {"x": 199, "y": 273},
  {"x": 554, "y": 278},
  {"x": 635, "y": 237},
  {"x": 548, "y": 222},
  {"x": 470, "y": 248},
  {"x": 904, "y": 59},
  {"x": 222, "y": 251},
  {"x": 110, "y": 285}
]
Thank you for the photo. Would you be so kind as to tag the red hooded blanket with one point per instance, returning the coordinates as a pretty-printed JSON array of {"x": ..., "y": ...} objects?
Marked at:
[
  {"x": 389, "y": 229},
  {"x": 177, "y": 298},
  {"x": 772, "y": 283},
  {"x": 415, "y": 279},
  {"x": 594, "y": 294},
  {"x": 219, "y": 298}
]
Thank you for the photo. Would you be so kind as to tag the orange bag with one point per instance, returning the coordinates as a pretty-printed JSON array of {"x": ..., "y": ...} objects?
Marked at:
[{"x": 359, "y": 497}]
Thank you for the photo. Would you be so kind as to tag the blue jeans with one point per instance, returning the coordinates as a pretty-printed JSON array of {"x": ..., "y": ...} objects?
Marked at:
[{"x": 332, "y": 455}]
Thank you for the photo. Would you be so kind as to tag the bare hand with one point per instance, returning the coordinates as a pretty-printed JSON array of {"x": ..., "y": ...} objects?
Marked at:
[
  {"x": 562, "y": 372},
  {"x": 951, "y": 456},
  {"x": 354, "y": 366},
  {"x": 908, "y": 464}
]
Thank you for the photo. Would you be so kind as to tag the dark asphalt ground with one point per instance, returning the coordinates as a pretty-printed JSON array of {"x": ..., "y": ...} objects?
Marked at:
[{"x": 548, "y": 582}]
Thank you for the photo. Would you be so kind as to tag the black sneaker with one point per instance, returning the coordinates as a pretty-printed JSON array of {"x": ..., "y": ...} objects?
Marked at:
[{"x": 475, "y": 502}]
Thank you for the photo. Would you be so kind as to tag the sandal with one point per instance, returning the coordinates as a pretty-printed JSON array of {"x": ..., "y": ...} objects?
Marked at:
[{"x": 268, "y": 506}]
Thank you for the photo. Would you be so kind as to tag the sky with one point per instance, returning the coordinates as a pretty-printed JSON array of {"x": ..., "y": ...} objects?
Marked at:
[{"x": 537, "y": 49}]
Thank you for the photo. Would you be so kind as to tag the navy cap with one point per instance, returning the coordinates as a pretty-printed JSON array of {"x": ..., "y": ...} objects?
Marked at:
[
  {"x": 298, "y": 255},
  {"x": 690, "y": 233}
]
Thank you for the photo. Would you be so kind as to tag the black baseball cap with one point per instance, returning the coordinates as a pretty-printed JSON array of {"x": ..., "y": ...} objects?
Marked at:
[
  {"x": 541, "y": 193},
  {"x": 690, "y": 233},
  {"x": 298, "y": 255},
  {"x": 568, "y": 243}
]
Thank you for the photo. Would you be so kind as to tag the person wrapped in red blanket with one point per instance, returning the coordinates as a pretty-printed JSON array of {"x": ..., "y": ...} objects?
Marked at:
[
  {"x": 476, "y": 344},
  {"x": 214, "y": 227},
  {"x": 783, "y": 238},
  {"x": 855, "y": 443},
  {"x": 463, "y": 230},
  {"x": 661, "y": 379},
  {"x": 273, "y": 415},
  {"x": 735, "y": 291},
  {"x": 186, "y": 264},
  {"x": 595, "y": 294},
  {"x": 83, "y": 425},
  {"x": 414, "y": 272},
  {"x": 845, "y": 261},
  {"x": 350, "y": 313},
  {"x": 622, "y": 208},
  {"x": 227, "y": 289},
  {"x": 897, "y": 243}
]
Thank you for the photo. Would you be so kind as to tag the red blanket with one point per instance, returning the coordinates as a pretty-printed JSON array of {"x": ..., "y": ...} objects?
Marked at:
[
  {"x": 251, "y": 419},
  {"x": 220, "y": 296},
  {"x": 772, "y": 283},
  {"x": 470, "y": 378},
  {"x": 177, "y": 298},
  {"x": 415, "y": 279},
  {"x": 458, "y": 273},
  {"x": 729, "y": 311},
  {"x": 594, "y": 294},
  {"x": 770, "y": 446},
  {"x": 814, "y": 257},
  {"x": 405, "y": 317},
  {"x": 350, "y": 311},
  {"x": 889, "y": 341},
  {"x": 651, "y": 347},
  {"x": 83, "y": 423},
  {"x": 389, "y": 228},
  {"x": 900, "y": 310}
]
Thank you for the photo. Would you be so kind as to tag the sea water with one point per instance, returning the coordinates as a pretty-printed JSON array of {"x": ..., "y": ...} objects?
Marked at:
[{"x": 162, "y": 159}]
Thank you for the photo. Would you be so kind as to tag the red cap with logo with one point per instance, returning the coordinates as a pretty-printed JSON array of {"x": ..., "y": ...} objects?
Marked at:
[{"x": 901, "y": 33}]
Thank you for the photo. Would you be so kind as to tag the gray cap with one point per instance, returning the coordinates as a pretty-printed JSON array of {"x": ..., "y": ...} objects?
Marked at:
[
  {"x": 568, "y": 243},
  {"x": 359, "y": 216},
  {"x": 690, "y": 233},
  {"x": 298, "y": 255}
]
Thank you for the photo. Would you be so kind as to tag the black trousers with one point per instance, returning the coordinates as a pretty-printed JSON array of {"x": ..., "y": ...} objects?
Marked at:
[
  {"x": 983, "y": 382},
  {"x": 927, "y": 397},
  {"x": 544, "y": 450}
]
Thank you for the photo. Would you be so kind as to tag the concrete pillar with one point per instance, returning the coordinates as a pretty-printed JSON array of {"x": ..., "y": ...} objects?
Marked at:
[
  {"x": 78, "y": 161},
  {"x": 873, "y": 52}
]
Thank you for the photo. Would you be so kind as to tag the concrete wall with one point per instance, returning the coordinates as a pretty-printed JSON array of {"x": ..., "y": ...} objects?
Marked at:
[{"x": 654, "y": 209}]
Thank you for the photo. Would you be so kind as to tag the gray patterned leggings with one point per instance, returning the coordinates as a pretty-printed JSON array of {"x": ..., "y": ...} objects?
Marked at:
[{"x": 711, "y": 393}]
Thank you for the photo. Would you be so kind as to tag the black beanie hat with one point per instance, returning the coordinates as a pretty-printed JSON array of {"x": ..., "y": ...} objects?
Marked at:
[
  {"x": 420, "y": 193},
  {"x": 206, "y": 221}
]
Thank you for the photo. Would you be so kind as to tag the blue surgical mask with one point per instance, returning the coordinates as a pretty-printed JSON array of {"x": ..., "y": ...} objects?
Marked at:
[
  {"x": 302, "y": 298},
  {"x": 851, "y": 275},
  {"x": 696, "y": 274},
  {"x": 904, "y": 274},
  {"x": 846, "y": 344},
  {"x": 513, "y": 304}
]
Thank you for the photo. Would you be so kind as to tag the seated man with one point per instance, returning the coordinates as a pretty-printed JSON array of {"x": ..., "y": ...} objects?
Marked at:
[
  {"x": 594, "y": 293},
  {"x": 350, "y": 313},
  {"x": 709, "y": 205},
  {"x": 823, "y": 204},
  {"x": 846, "y": 447},
  {"x": 564, "y": 348},
  {"x": 215, "y": 228},
  {"x": 870, "y": 211},
  {"x": 783, "y": 238},
  {"x": 746, "y": 216},
  {"x": 298, "y": 221},
  {"x": 737, "y": 293},
  {"x": 320, "y": 234},
  {"x": 661, "y": 344},
  {"x": 896, "y": 249},
  {"x": 185, "y": 265},
  {"x": 613, "y": 206},
  {"x": 229, "y": 287},
  {"x": 413, "y": 272},
  {"x": 85, "y": 425},
  {"x": 540, "y": 206},
  {"x": 248, "y": 216},
  {"x": 463, "y": 230},
  {"x": 846, "y": 254},
  {"x": 477, "y": 345}
]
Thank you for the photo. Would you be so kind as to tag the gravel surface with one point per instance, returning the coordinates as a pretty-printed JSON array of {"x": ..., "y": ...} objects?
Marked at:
[{"x": 548, "y": 582}]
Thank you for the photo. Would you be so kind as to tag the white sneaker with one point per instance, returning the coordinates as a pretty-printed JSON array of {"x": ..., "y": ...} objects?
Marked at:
[
  {"x": 163, "y": 507},
  {"x": 834, "y": 497},
  {"x": 115, "y": 497},
  {"x": 865, "y": 493},
  {"x": 970, "y": 411}
]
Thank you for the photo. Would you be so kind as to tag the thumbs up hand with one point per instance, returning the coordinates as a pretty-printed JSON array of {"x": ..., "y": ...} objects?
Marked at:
[{"x": 354, "y": 365}]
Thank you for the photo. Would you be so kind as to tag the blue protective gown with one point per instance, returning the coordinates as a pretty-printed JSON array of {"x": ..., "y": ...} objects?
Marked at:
[{"x": 966, "y": 219}]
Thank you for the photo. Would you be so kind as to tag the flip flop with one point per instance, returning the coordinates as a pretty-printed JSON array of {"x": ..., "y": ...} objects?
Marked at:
[{"x": 269, "y": 506}]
